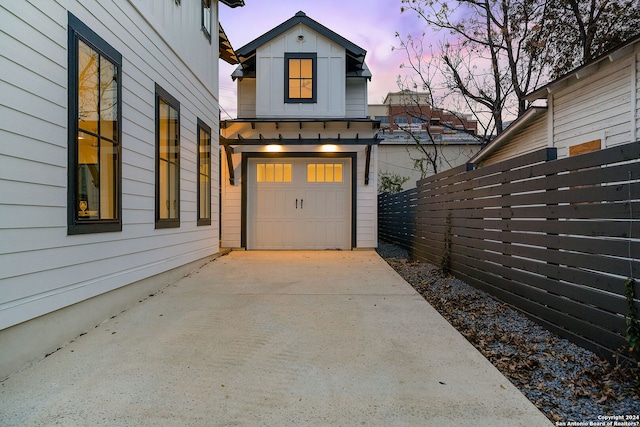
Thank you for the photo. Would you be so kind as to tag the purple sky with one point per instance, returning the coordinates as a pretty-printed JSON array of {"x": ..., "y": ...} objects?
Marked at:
[{"x": 371, "y": 24}]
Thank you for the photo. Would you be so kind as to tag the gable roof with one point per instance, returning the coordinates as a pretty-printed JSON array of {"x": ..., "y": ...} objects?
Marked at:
[
  {"x": 513, "y": 129},
  {"x": 355, "y": 54},
  {"x": 584, "y": 70}
]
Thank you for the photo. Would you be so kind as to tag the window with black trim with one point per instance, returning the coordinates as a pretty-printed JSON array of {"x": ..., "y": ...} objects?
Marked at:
[
  {"x": 206, "y": 18},
  {"x": 167, "y": 160},
  {"x": 204, "y": 173},
  {"x": 300, "y": 78},
  {"x": 94, "y": 132}
]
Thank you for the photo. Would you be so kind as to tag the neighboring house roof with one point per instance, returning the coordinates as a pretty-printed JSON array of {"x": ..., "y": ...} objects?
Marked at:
[
  {"x": 233, "y": 3},
  {"x": 530, "y": 115},
  {"x": 584, "y": 70},
  {"x": 403, "y": 138},
  {"x": 541, "y": 93},
  {"x": 355, "y": 54},
  {"x": 226, "y": 50}
]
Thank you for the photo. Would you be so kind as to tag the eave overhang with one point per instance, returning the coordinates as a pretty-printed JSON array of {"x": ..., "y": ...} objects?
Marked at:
[
  {"x": 531, "y": 114},
  {"x": 355, "y": 66},
  {"x": 233, "y": 3},
  {"x": 227, "y": 53},
  {"x": 583, "y": 71}
]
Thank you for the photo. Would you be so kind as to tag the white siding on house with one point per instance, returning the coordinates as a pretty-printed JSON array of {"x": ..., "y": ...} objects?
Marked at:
[
  {"x": 357, "y": 98},
  {"x": 598, "y": 107},
  {"x": 247, "y": 98},
  {"x": 43, "y": 269},
  {"x": 331, "y": 80},
  {"x": 367, "y": 201},
  {"x": 398, "y": 159},
  {"x": 232, "y": 206},
  {"x": 531, "y": 138}
]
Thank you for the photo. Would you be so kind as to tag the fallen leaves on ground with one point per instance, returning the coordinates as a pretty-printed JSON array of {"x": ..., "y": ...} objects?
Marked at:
[{"x": 534, "y": 359}]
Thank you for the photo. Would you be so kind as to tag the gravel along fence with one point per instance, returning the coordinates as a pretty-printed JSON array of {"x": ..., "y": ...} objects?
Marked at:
[{"x": 570, "y": 385}]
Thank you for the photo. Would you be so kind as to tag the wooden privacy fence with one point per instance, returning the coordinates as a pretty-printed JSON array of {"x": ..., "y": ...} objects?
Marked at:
[{"x": 556, "y": 238}]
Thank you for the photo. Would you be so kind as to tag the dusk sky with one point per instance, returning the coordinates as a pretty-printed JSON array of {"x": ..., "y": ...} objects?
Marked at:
[{"x": 371, "y": 24}]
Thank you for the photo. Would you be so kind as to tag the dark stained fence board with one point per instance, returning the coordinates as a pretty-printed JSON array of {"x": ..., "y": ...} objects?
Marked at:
[{"x": 554, "y": 237}]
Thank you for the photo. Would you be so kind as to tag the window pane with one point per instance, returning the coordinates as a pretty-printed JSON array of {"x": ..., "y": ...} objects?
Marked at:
[
  {"x": 294, "y": 88},
  {"x": 260, "y": 172},
  {"x": 204, "y": 176},
  {"x": 294, "y": 69},
  {"x": 287, "y": 172},
  {"x": 320, "y": 173},
  {"x": 278, "y": 172},
  {"x": 108, "y": 100},
  {"x": 88, "y": 178},
  {"x": 169, "y": 154},
  {"x": 173, "y": 190},
  {"x": 306, "y": 89},
  {"x": 306, "y": 68},
  {"x": 311, "y": 173},
  {"x": 269, "y": 173},
  {"x": 108, "y": 183},
  {"x": 328, "y": 173},
  {"x": 337, "y": 172},
  {"x": 206, "y": 15},
  {"x": 163, "y": 182},
  {"x": 88, "y": 62}
]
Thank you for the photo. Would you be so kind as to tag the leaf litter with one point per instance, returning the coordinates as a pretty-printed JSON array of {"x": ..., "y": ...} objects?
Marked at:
[{"x": 565, "y": 381}]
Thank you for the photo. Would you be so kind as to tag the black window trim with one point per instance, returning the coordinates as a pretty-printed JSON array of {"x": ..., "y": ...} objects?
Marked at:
[
  {"x": 207, "y": 33},
  {"x": 77, "y": 30},
  {"x": 314, "y": 88},
  {"x": 202, "y": 125},
  {"x": 160, "y": 93}
]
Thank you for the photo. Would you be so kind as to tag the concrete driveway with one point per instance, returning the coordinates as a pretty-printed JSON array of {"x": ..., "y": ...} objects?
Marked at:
[{"x": 271, "y": 339}]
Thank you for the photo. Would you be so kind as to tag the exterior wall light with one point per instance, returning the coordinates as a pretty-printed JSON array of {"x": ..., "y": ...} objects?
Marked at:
[
  {"x": 274, "y": 148},
  {"x": 329, "y": 148}
]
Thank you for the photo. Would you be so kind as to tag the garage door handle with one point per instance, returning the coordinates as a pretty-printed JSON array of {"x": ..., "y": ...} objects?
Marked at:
[
  {"x": 301, "y": 203},
  {"x": 296, "y": 203}
]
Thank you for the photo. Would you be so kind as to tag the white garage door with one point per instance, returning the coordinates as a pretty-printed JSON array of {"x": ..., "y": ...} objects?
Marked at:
[{"x": 299, "y": 203}]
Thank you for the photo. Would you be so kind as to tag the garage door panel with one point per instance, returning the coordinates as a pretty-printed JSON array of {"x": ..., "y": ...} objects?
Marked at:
[{"x": 310, "y": 208}]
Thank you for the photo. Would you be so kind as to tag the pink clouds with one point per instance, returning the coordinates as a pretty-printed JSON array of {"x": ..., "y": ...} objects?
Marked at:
[{"x": 371, "y": 24}]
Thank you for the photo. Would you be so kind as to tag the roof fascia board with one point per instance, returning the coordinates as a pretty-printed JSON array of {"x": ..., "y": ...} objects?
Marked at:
[
  {"x": 233, "y": 3},
  {"x": 612, "y": 55},
  {"x": 300, "y": 18},
  {"x": 521, "y": 122}
]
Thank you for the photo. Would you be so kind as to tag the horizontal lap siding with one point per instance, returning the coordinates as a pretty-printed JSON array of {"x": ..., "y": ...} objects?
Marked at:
[
  {"x": 42, "y": 269},
  {"x": 599, "y": 107},
  {"x": 553, "y": 238}
]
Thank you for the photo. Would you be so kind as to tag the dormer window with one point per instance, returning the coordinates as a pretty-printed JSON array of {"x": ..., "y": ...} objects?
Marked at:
[{"x": 300, "y": 78}]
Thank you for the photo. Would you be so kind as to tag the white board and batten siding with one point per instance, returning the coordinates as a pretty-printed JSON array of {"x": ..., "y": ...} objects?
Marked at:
[
  {"x": 42, "y": 269},
  {"x": 331, "y": 63},
  {"x": 356, "y": 98}
]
